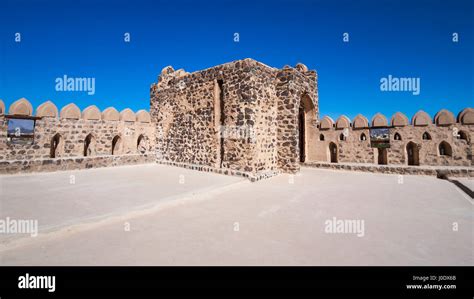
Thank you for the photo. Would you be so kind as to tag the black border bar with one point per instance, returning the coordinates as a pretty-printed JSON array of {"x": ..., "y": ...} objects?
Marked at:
[{"x": 242, "y": 282}]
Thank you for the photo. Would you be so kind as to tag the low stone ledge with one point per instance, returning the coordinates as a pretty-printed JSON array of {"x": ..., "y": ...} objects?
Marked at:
[
  {"x": 450, "y": 171},
  {"x": 251, "y": 176},
  {"x": 72, "y": 163}
]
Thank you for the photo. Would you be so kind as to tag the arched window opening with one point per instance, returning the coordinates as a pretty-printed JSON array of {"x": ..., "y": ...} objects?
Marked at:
[
  {"x": 89, "y": 145},
  {"x": 142, "y": 144},
  {"x": 363, "y": 137},
  {"x": 342, "y": 137},
  {"x": 445, "y": 149},
  {"x": 426, "y": 136},
  {"x": 321, "y": 137},
  {"x": 462, "y": 135},
  {"x": 116, "y": 145},
  {"x": 333, "y": 152},
  {"x": 55, "y": 141},
  {"x": 397, "y": 136}
]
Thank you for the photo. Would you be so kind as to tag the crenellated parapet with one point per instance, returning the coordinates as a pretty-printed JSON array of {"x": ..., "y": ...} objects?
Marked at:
[
  {"x": 48, "y": 133},
  {"x": 239, "y": 117},
  {"x": 444, "y": 140},
  {"x": 23, "y": 107},
  {"x": 421, "y": 118}
]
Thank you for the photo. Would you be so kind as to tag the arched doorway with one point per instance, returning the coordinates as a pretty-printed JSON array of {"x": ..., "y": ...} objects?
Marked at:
[
  {"x": 142, "y": 144},
  {"x": 382, "y": 156},
  {"x": 89, "y": 145},
  {"x": 301, "y": 126},
  {"x": 333, "y": 152},
  {"x": 445, "y": 149},
  {"x": 55, "y": 141},
  {"x": 413, "y": 155},
  {"x": 306, "y": 114},
  {"x": 116, "y": 145}
]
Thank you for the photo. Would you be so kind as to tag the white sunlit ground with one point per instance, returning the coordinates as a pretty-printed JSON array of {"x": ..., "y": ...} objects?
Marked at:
[{"x": 160, "y": 215}]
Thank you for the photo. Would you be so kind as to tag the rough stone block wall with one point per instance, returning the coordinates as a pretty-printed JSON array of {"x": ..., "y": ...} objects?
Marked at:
[
  {"x": 188, "y": 117},
  {"x": 73, "y": 163},
  {"x": 133, "y": 137},
  {"x": 458, "y": 135},
  {"x": 429, "y": 152},
  {"x": 187, "y": 109},
  {"x": 242, "y": 117},
  {"x": 292, "y": 86}
]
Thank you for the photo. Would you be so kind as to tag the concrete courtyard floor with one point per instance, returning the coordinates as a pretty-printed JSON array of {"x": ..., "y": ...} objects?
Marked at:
[{"x": 161, "y": 215}]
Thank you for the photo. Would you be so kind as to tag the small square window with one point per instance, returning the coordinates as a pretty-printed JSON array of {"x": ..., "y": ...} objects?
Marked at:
[{"x": 20, "y": 131}]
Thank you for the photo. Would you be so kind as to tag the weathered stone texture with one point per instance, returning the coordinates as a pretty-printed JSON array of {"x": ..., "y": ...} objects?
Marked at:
[
  {"x": 243, "y": 118},
  {"x": 398, "y": 169},
  {"x": 257, "y": 101},
  {"x": 353, "y": 149},
  {"x": 60, "y": 143},
  {"x": 72, "y": 163}
]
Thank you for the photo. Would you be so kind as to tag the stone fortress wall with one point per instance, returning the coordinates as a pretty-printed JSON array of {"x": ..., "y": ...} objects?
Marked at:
[
  {"x": 243, "y": 118},
  {"x": 443, "y": 141},
  {"x": 72, "y": 139},
  {"x": 280, "y": 107},
  {"x": 199, "y": 116}
]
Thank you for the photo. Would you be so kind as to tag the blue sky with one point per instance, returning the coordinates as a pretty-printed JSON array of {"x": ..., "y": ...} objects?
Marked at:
[{"x": 85, "y": 39}]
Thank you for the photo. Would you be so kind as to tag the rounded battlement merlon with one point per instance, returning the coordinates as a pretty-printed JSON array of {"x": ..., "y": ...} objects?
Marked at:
[
  {"x": 466, "y": 116},
  {"x": 379, "y": 120},
  {"x": 111, "y": 114},
  {"x": 326, "y": 123},
  {"x": 421, "y": 118},
  {"x": 70, "y": 111},
  {"x": 91, "y": 113},
  {"x": 360, "y": 122},
  {"x": 343, "y": 122},
  {"x": 442, "y": 118},
  {"x": 47, "y": 109},
  {"x": 2, "y": 107},
  {"x": 21, "y": 107},
  {"x": 127, "y": 115},
  {"x": 399, "y": 120},
  {"x": 143, "y": 116}
]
